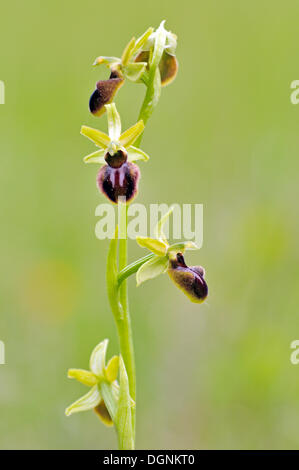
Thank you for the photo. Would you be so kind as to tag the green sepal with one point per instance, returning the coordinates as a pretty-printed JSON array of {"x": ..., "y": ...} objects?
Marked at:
[
  {"x": 142, "y": 40},
  {"x": 151, "y": 269},
  {"x": 134, "y": 71},
  {"x": 156, "y": 246},
  {"x": 98, "y": 359},
  {"x": 114, "y": 122},
  {"x": 97, "y": 137},
  {"x": 128, "y": 51},
  {"x": 108, "y": 61},
  {"x": 159, "y": 228},
  {"x": 96, "y": 157},
  {"x": 182, "y": 246},
  {"x": 128, "y": 137},
  {"x": 135, "y": 154},
  {"x": 85, "y": 403}
]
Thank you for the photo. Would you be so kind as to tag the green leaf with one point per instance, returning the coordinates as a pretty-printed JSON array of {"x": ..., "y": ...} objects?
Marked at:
[
  {"x": 97, "y": 137},
  {"x": 156, "y": 246},
  {"x": 84, "y": 376},
  {"x": 123, "y": 419},
  {"x": 96, "y": 157},
  {"x": 85, "y": 403},
  {"x": 114, "y": 123},
  {"x": 134, "y": 71},
  {"x": 128, "y": 137},
  {"x": 151, "y": 269},
  {"x": 135, "y": 154},
  {"x": 97, "y": 359}
]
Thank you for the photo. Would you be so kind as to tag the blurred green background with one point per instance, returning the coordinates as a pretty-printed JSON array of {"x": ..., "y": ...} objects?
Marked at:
[{"x": 225, "y": 134}]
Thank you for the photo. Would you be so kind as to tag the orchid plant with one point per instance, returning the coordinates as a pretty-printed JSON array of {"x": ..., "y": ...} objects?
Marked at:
[{"x": 151, "y": 61}]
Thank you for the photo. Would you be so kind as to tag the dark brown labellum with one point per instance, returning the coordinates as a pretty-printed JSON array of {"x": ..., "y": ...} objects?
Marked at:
[
  {"x": 103, "y": 413},
  {"x": 119, "y": 182},
  {"x": 189, "y": 279},
  {"x": 104, "y": 93}
]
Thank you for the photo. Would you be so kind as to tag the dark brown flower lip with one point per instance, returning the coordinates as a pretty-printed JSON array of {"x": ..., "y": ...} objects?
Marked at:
[
  {"x": 190, "y": 279},
  {"x": 119, "y": 182},
  {"x": 104, "y": 93}
]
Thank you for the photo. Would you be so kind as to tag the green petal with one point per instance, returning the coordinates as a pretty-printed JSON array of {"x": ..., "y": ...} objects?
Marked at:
[
  {"x": 84, "y": 376},
  {"x": 152, "y": 244},
  {"x": 134, "y": 71},
  {"x": 128, "y": 137},
  {"x": 97, "y": 359},
  {"x": 96, "y": 157},
  {"x": 97, "y": 137},
  {"x": 151, "y": 269},
  {"x": 85, "y": 403},
  {"x": 111, "y": 370},
  {"x": 114, "y": 123},
  {"x": 159, "y": 228}
]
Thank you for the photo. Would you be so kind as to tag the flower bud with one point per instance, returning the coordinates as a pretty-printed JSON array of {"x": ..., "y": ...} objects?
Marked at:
[
  {"x": 189, "y": 279},
  {"x": 104, "y": 93},
  {"x": 119, "y": 178}
]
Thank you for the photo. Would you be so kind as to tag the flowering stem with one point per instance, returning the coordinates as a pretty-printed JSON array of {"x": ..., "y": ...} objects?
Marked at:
[
  {"x": 121, "y": 309},
  {"x": 124, "y": 323},
  {"x": 151, "y": 98}
]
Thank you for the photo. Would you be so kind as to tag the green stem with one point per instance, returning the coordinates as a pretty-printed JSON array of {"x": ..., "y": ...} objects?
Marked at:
[
  {"x": 124, "y": 323},
  {"x": 151, "y": 98},
  {"x": 132, "y": 268}
]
